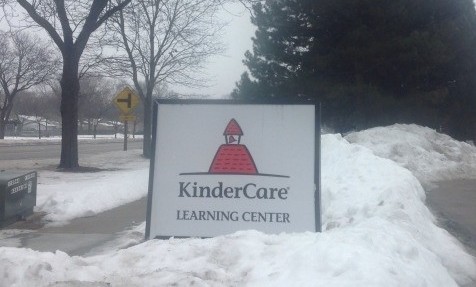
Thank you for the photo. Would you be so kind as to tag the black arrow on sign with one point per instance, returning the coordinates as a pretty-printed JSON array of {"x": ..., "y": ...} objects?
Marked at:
[{"x": 128, "y": 100}]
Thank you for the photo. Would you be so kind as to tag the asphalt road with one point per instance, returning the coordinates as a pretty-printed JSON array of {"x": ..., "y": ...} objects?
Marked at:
[{"x": 49, "y": 151}]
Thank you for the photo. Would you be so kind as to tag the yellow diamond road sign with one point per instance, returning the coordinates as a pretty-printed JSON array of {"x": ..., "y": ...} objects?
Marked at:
[{"x": 126, "y": 100}]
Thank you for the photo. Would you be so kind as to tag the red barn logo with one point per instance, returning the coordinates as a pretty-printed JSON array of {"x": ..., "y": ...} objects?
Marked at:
[{"x": 233, "y": 157}]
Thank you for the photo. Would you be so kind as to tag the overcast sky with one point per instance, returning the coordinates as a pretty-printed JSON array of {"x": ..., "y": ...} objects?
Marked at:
[{"x": 225, "y": 70}]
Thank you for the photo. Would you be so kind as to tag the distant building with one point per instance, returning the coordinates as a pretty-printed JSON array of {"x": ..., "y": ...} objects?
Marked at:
[{"x": 30, "y": 126}]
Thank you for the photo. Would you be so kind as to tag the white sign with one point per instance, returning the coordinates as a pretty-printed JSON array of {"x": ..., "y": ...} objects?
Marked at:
[{"x": 220, "y": 168}]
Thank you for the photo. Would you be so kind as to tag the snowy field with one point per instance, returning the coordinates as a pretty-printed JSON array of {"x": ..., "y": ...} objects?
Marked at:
[
  {"x": 9, "y": 141},
  {"x": 377, "y": 230}
]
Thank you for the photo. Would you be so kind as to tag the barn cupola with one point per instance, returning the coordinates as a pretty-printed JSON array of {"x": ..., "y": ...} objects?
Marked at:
[
  {"x": 233, "y": 132},
  {"x": 233, "y": 157}
]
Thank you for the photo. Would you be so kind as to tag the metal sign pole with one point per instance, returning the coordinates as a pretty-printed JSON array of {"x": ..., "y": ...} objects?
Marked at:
[{"x": 125, "y": 135}]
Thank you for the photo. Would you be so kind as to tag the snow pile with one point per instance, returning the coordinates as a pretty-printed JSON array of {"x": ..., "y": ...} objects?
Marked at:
[
  {"x": 64, "y": 196},
  {"x": 431, "y": 156},
  {"x": 377, "y": 232},
  {"x": 242, "y": 259},
  {"x": 85, "y": 194}
]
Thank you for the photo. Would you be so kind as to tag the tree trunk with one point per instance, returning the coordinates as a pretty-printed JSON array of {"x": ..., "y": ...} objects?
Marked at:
[
  {"x": 89, "y": 126},
  {"x": 147, "y": 143},
  {"x": 134, "y": 130},
  {"x": 69, "y": 112},
  {"x": 4, "y": 115},
  {"x": 2, "y": 128}
]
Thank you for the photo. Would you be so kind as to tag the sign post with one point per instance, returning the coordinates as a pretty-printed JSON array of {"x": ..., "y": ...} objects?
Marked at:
[
  {"x": 125, "y": 135},
  {"x": 220, "y": 166},
  {"x": 126, "y": 101}
]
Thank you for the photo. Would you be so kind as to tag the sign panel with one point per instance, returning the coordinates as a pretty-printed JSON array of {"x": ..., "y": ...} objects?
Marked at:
[
  {"x": 127, "y": 118},
  {"x": 126, "y": 100},
  {"x": 17, "y": 194},
  {"x": 221, "y": 166}
]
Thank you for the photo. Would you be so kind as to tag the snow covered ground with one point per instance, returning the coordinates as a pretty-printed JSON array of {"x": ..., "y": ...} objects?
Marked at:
[
  {"x": 9, "y": 141},
  {"x": 377, "y": 230},
  {"x": 64, "y": 196}
]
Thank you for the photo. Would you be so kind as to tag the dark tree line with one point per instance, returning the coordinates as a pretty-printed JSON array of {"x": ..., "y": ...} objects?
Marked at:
[{"x": 369, "y": 62}]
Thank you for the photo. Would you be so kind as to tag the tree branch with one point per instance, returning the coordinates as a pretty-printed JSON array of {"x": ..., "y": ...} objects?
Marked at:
[
  {"x": 111, "y": 11},
  {"x": 63, "y": 17},
  {"x": 30, "y": 9}
]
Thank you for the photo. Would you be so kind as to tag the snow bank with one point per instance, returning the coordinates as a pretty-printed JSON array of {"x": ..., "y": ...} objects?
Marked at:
[
  {"x": 79, "y": 195},
  {"x": 377, "y": 232},
  {"x": 431, "y": 156},
  {"x": 64, "y": 196}
]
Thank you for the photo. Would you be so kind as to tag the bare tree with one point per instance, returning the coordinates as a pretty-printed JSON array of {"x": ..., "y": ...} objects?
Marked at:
[
  {"x": 38, "y": 110},
  {"x": 164, "y": 41},
  {"x": 95, "y": 100},
  {"x": 70, "y": 25},
  {"x": 40, "y": 107},
  {"x": 25, "y": 62}
]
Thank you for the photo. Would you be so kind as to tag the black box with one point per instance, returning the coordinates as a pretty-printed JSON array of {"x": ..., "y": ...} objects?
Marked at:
[{"x": 17, "y": 195}]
